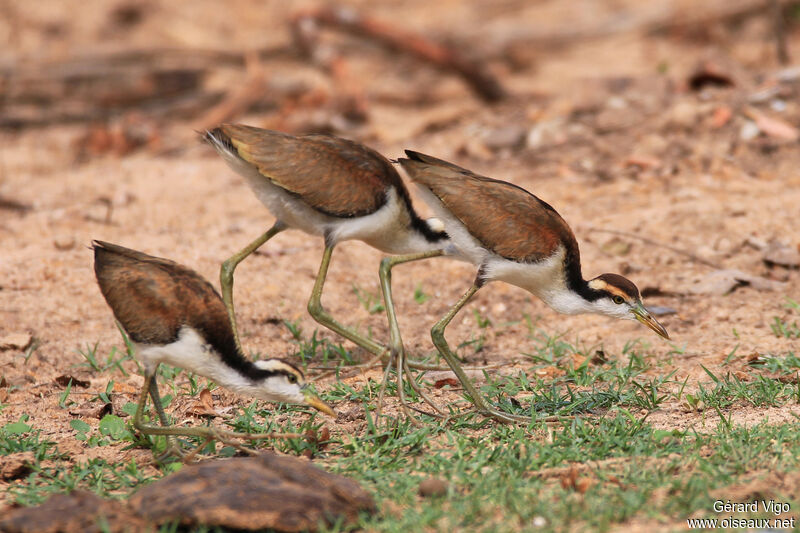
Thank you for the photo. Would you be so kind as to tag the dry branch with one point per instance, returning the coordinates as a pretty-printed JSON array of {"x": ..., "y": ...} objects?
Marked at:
[
  {"x": 305, "y": 24},
  {"x": 96, "y": 86}
]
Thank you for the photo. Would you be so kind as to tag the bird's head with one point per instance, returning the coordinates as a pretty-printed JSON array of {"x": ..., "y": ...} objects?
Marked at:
[
  {"x": 284, "y": 382},
  {"x": 619, "y": 298}
]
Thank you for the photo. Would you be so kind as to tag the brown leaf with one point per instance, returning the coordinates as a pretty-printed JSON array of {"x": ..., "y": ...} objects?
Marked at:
[
  {"x": 569, "y": 478},
  {"x": 583, "y": 484},
  {"x": 64, "y": 380},
  {"x": 204, "y": 405},
  {"x": 722, "y": 115},
  {"x": 438, "y": 384},
  {"x": 599, "y": 357},
  {"x": 642, "y": 161},
  {"x": 92, "y": 410},
  {"x": 124, "y": 388},
  {"x": 709, "y": 73}
]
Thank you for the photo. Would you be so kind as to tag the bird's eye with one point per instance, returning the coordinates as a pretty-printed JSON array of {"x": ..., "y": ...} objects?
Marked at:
[
  {"x": 618, "y": 300},
  {"x": 292, "y": 378}
]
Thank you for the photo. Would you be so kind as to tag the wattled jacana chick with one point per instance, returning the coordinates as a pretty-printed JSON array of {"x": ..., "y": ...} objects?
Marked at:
[
  {"x": 174, "y": 316},
  {"x": 513, "y": 236},
  {"x": 335, "y": 188}
]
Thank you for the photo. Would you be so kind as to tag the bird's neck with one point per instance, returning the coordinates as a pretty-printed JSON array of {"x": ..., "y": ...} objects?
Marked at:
[
  {"x": 221, "y": 359},
  {"x": 574, "y": 295},
  {"x": 429, "y": 233}
]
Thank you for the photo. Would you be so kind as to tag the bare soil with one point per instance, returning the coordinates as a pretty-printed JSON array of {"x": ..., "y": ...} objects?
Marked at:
[{"x": 601, "y": 123}]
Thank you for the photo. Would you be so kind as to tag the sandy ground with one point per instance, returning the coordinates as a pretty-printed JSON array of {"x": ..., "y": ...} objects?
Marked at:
[{"x": 606, "y": 131}]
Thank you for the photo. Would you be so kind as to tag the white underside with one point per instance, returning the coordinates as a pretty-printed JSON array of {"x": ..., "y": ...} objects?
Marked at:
[
  {"x": 192, "y": 353},
  {"x": 544, "y": 278},
  {"x": 387, "y": 229}
]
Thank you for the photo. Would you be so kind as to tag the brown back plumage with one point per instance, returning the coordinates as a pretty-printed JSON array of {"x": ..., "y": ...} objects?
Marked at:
[
  {"x": 506, "y": 219},
  {"x": 336, "y": 176},
  {"x": 153, "y": 298}
]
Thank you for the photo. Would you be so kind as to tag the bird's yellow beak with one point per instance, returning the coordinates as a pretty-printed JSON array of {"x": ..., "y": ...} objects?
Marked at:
[
  {"x": 314, "y": 401},
  {"x": 644, "y": 316}
]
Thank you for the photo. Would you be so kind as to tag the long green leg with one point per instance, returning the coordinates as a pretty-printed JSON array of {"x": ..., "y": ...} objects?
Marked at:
[
  {"x": 319, "y": 314},
  {"x": 207, "y": 433},
  {"x": 156, "y": 399},
  {"x": 173, "y": 447},
  {"x": 227, "y": 268},
  {"x": 385, "y": 275},
  {"x": 437, "y": 334},
  {"x": 396, "y": 340}
]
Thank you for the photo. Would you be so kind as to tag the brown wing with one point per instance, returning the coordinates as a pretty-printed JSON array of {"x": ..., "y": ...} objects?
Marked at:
[
  {"x": 153, "y": 297},
  {"x": 506, "y": 219},
  {"x": 333, "y": 175}
]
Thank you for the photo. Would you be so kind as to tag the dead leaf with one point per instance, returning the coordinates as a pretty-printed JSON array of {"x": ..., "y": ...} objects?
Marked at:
[
  {"x": 722, "y": 115},
  {"x": 771, "y": 126},
  {"x": 124, "y": 388},
  {"x": 64, "y": 380},
  {"x": 599, "y": 357},
  {"x": 642, "y": 161},
  {"x": 569, "y": 478},
  {"x": 583, "y": 484},
  {"x": 754, "y": 358},
  {"x": 16, "y": 341},
  {"x": 92, "y": 410},
  {"x": 707, "y": 74},
  {"x": 453, "y": 382},
  {"x": 725, "y": 281},
  {"x": 203, "y": 406}
]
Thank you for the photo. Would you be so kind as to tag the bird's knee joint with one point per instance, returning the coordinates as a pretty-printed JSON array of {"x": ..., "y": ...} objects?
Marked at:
[
  {"x": 386, "y": 264},
  {"x": 226, "y": 271},
  {"x": 315, "y": 307}
]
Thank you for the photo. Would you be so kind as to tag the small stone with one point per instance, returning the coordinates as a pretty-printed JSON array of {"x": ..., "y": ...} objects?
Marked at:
[
  {"x": 539, "y": 521},
  {"x": 64, "y": 242},
  {"x": 749, "y": 131},
  {"x": 432, "y": 487},
  {"x": 780, "y": 254}
]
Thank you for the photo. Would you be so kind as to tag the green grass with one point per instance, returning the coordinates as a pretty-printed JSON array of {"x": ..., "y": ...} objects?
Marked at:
[{"x": 637, "y": 471}]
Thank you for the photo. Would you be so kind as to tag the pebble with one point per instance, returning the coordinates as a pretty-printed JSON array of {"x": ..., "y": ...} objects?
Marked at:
[{"x": 433, "y": 487}]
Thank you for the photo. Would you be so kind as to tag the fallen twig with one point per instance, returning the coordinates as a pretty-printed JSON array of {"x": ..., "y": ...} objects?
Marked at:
[
  {"x": 304, "y": 26},
  {"x": 651, "y": 242}
]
